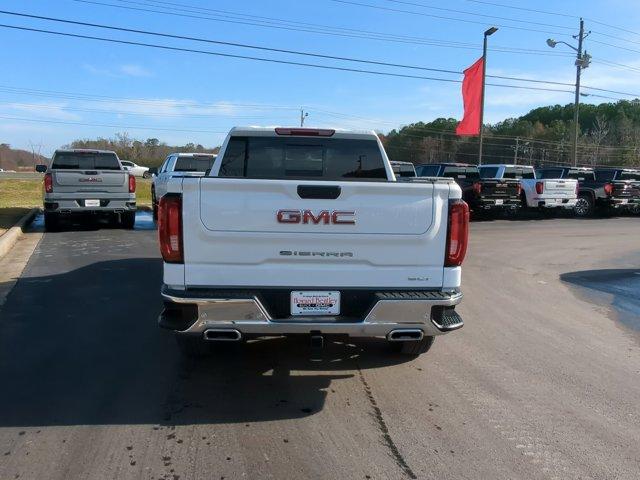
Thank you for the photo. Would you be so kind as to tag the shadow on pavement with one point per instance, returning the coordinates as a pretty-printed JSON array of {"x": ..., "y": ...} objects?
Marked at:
[
  {"x": 622, "y": 284},
  {"x": 83, "y": 348}
]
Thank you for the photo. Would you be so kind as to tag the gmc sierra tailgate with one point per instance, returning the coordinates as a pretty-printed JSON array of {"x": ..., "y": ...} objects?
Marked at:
[
  {"x": 90, "y": 181},
  {"x": 314, "y": 234},
  {"x": 560, "y": 188}
]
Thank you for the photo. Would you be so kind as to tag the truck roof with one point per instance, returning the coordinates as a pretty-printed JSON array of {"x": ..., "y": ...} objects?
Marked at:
[
  {"x": 506, "y": 165},
  {"x": 302, "y": 132},
  {"x": 194, "y": 154},
  {"x": 82, "y": 150},
  {"x": 450, "y": 164}
]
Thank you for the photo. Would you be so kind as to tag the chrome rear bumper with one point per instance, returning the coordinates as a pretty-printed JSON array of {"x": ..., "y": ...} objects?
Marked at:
[{"x": 433, "y": 314}]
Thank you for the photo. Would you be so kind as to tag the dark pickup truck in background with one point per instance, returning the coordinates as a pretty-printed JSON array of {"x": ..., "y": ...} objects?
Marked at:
[
  {"x": 626, "y": 186},
  {"x": 482, "y": 194},
  {"x": 593, "y": 193}
]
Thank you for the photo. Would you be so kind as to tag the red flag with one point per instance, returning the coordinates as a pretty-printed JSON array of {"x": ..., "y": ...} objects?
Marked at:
[{"x": 472, "y": 98}]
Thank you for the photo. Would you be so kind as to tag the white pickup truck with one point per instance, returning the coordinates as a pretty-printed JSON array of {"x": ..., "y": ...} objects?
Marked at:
[
  {"x": 535, "y": 192},
  {"x": 307, "y": 231}
]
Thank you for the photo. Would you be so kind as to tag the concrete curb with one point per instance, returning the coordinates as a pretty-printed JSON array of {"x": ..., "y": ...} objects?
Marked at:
[{"x": 11, "y": 236}]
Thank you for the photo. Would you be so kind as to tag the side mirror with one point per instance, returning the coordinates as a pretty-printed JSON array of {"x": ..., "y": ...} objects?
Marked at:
[
  {"x": 41, "y": 168},
  {"x": 153, "y": 171}
]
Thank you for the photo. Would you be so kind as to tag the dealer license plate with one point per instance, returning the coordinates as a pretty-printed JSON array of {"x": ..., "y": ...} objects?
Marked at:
[
  {"x": 315, "y": 303},
  {"x": 92, "y": 203},
  {"x": 499, "y": 202}
]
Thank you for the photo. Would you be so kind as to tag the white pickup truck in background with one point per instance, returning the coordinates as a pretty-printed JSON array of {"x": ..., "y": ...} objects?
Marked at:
[
  {"x": 307, "y": 231},
  {"x": 536, "y": 193}
]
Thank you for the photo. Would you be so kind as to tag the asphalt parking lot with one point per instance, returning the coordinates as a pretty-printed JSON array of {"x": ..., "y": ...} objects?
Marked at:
[{"x": 542, "y": 382}]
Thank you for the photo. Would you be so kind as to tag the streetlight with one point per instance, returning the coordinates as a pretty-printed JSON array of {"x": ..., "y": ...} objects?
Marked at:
[
  {"x": 487, "y": 34},
  {"x": 582, "y": 62}
]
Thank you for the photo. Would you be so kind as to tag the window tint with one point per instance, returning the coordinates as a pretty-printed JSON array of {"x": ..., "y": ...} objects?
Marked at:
[
  {"x": 193, "y": 164},
  {"x": 630, "y": 175},
  {"x": 471, "y": 173},
  {"x": 287, "y": 157},
  {"x": 550, "y": 173},
  {"x": 605, "y": 175},
  {"x": 581, "y": 175},
  {"x": 518, "y": 173},
  {"x": 427, "y": 170},
  {"x": 85, "y": 161},
  {"x": 488, "y": 172},
  {"x": 403, "y": 170}
]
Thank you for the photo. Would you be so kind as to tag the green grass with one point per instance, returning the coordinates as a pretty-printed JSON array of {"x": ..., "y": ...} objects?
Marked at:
[{"x": 28, "y": 193}]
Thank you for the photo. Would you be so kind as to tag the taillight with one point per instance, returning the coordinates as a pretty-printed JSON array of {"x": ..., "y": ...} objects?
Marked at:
[
  {"x": 539, "y": 188},
  {"x": 477, "y": 187},
  {"x": 170, "y": 228},
  {"x": 132, "y": 184},
  {"x": 48, "y": 183},
  {"x": 577, "y": 188},
  {"x": 457, "y": 233},
  {"x": 305, "y": 132},
  {"x": 608, "y": 189},
  {"x": 519, "y": 189}
]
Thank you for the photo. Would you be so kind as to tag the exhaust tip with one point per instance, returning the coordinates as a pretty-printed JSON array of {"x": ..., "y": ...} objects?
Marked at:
[
  {"x": 405, "y": 335},
  {"x": 222, "y": 335}
]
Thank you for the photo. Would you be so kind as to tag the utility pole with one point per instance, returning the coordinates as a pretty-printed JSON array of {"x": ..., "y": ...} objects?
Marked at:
[
  {"x": 488, "y": 33},
  {"x": 515, "y": 153},
  {"x": 303, "y": 116},
  {"x": 582, "y": 62}
]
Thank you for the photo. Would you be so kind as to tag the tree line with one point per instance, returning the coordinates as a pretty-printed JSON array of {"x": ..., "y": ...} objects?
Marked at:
[
  {"x": 609, "y": 134},
  {"x": 150, "y": 152}
]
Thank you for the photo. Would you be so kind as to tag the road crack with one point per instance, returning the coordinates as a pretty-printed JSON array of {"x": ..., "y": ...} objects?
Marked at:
[{"x": 384, "y": 429}]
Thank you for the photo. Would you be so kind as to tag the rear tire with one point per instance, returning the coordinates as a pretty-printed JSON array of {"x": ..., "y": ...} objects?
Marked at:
[
  {"x": 584, "y": 206},
  {"x": 128, "y": 220},
  {"x": 414, "y": 348},
  {"x": 146, "y": 175},
  {"x": 191, "y": 346},
  {"x": 51, "y": 222}
]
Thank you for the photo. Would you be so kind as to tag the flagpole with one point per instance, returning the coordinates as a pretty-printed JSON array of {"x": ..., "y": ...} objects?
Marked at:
[{"x": 488, "y": 33}]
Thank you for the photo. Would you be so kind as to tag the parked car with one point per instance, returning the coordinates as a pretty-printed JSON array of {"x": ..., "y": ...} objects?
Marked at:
[
  {"x": 81, "y": 183},
  {"x": 626, "y": 186},
  {"x": 135, "y": 170},
  {"x": 537, "y": 193},
  {"x": 482, "y": 194},
  {"x": 177, "y": 165},
  {"x": 403, "y": 169},
  {"x": 304, "y": 231},
  {"x": 593, "y": 194}
]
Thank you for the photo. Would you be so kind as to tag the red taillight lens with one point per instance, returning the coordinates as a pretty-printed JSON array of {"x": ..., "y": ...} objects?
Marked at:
[
  {"x": 577, "y": 188},
  {"x": 539, "y": 188},
  {"x": 132, "y": 184},
  {"x": 305, "y": 132},
  {"x": 48, "y": 183},
  {"x": 608, "y": 189},
  {"x": 477, "y": 187},
  {"x": 170, "y": 228},
  {"x": 519, "y": 190},
  {"x": 457, "y": 233}
]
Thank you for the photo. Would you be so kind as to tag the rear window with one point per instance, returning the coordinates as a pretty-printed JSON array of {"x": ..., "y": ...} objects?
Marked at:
[
  {"x": 489, "y": 172},
  {"x": 403, "y": 170},
  {"x": 193, "y": 164},
  {"x": 518, "y": 173},
  {"x": 471, "y": 173},
  {"x": 85, "y": 161},
  {"x": 550, "y": 173},
  {"x": 629, "y": 176},
  {"x": 580, "y": 175},
  {"x": 427, "y": 170},
  {"x": 605, "y": 175},
  {"x": 303, "y": 158}
]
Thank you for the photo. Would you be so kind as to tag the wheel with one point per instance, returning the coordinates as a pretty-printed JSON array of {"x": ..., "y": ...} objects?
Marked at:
[
  {"x": 128, "y": 220},
  {"x": 584, "y": 206},
  {"x": 191, "y": 346},
  {"x": 51, "y": 222},
  {"x": 146, "y": 175},
  {"x": 414, "y": 348}
]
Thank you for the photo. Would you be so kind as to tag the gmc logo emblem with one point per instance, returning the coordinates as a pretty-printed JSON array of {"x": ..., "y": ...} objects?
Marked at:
[{"x": 336, "y": 217}]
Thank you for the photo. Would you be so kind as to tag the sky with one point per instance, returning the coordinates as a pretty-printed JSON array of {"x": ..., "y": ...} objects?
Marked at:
[{"x": 55, "y": 89}]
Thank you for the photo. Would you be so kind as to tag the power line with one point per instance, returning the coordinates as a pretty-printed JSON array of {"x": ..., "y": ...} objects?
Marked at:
[
  {"x": 441, "y": 17},
  {"x": 270, "y": 49},
  {"x": 531, "y": 10},
  {"x": 269, "y": 60},
  {"x": 326, "y": 30},
  {"x": 476, "y": 14}
]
